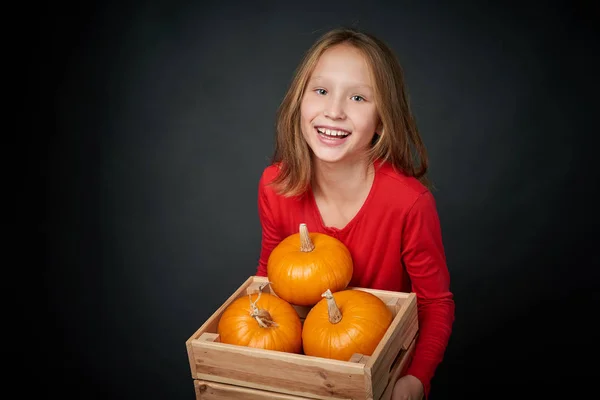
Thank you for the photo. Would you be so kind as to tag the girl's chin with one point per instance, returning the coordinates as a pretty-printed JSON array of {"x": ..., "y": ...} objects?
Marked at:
[{"x": 329, "y": 155}]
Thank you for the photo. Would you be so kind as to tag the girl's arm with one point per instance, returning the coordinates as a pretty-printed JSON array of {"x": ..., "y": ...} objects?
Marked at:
[
  {"x": 424, "y": 260},
  {"x": 270, "y": 235}
]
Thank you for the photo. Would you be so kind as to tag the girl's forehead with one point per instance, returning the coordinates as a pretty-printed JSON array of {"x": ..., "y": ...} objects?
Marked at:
[
  {"x": 342, "y": 53},
  {"x": 343, "y": 63},
  {"x": 342, "y": 58}
]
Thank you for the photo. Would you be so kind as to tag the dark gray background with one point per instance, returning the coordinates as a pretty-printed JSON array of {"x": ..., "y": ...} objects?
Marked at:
[{"x": 155, "y": 119}]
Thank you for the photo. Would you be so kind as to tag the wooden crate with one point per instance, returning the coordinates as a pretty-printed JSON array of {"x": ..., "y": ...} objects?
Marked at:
[{"x": 224, "y": 371}]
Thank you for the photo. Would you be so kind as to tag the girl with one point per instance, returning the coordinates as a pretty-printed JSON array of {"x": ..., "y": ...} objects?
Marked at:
[{"x": 349, "y": 162}]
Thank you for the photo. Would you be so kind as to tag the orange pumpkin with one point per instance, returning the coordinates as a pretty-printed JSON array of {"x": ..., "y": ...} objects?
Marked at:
[
  {"x": 303, "y": 265},
  {"x": 261, "y": 321},
  {"x": 344, "y": 323}
]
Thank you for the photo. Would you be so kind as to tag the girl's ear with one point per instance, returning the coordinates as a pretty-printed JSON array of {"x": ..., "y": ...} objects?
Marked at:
[{"x": 379, "y": 128}]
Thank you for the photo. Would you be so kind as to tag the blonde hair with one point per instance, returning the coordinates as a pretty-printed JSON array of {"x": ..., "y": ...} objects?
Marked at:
[{"x": 398, "y": 143}]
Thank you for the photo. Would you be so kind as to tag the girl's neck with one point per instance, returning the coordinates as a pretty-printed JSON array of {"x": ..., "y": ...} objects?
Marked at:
[{"x": 342, "y": 183}]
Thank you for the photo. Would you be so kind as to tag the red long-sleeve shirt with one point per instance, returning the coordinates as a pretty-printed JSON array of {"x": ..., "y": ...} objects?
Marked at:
[{"x": 396, "y": 244}]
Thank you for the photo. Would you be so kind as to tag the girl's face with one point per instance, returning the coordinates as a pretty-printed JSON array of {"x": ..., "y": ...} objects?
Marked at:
[{"x": 338, "y": 114}]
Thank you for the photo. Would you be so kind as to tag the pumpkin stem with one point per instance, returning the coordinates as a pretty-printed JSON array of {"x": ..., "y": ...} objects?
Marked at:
[
  {"x": 306, "y": 245},
  {"x": 261, "y": 316},
  {"x": 333, "y": 310}
]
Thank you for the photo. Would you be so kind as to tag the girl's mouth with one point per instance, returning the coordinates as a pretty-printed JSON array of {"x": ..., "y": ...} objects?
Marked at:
[{"x": 332, "y": 133}]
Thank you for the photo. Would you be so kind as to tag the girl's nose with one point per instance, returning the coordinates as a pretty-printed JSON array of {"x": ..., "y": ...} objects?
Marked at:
[{"x": 334, "y": 109}]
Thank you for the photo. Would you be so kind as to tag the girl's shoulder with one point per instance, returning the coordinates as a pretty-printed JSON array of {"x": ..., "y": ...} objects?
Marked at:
[
  {"x": 397, "y": 181},
  {"x": 269, "y": 173}
]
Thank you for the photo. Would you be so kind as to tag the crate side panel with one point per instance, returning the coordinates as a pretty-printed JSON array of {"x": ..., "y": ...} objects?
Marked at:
[
  {"x": 398, "y": 339},
  {"x": 210, "y": 325},
  {"x": 294, "y": 374},
  {"x": 207, "y": 390},
  {"x": 399, "y": 369}
]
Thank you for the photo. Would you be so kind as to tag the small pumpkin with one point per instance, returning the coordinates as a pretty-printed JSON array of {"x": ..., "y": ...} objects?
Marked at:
[
  {"x": 303, "y": 265},
  {"x": 261, "y": 321},
  {"x": 344, "y": 323}
]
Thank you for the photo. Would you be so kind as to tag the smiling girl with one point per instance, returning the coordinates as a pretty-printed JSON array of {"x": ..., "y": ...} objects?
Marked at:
[{"x": 349, "y": 162}]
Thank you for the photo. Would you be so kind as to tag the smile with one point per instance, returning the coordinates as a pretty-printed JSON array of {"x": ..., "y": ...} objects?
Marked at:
[{"x": 333, "y": 133}]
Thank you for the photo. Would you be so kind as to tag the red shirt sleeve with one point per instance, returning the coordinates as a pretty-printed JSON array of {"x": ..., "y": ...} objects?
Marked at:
[
  {"x": 424, "y": 259},
  {"x": 270, "y": 237}
]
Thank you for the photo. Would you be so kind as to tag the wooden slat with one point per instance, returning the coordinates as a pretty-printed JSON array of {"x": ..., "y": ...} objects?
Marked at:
[
  {"x": 359, "y": 358},
  {"x": 395, "y": 305},
  {"x": 294, "y": 374},
  {"x": 256, "y": 285},
  {"x": 301, "y": 310},
  {"x": 385, "y": 295},
  {"x": 207, "y": 390}
]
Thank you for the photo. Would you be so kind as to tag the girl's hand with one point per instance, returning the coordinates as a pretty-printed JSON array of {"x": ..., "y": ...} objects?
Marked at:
[{"x": 407, "y": 388}]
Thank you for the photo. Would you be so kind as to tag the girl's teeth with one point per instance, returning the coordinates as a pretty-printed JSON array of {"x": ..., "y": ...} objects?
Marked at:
[{"x": 330, "y": 132}]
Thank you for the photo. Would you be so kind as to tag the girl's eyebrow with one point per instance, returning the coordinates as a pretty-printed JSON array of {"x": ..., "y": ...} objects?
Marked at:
[{"x": 357, "y": 85}]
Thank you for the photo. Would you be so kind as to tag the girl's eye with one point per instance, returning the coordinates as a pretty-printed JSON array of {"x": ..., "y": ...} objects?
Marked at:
[
  {"x": 321, "y": 91},
  {"x": 358, "y": 98}
]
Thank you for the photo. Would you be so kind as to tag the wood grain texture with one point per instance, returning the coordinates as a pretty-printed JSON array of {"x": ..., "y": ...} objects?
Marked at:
[{"x": 206, "y": 390}]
